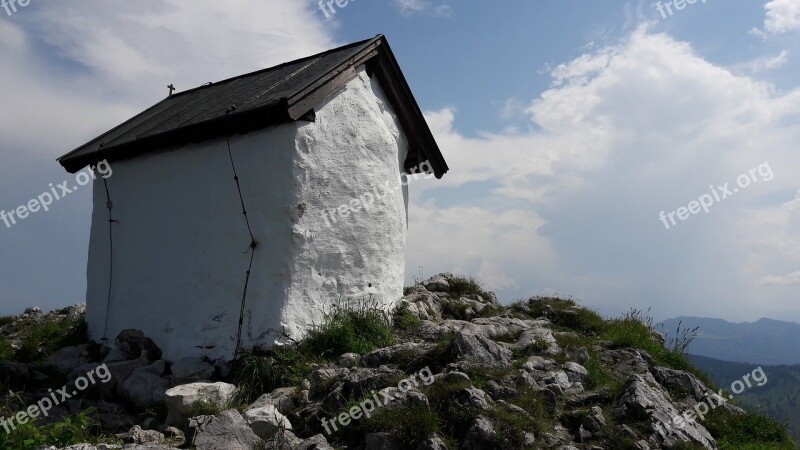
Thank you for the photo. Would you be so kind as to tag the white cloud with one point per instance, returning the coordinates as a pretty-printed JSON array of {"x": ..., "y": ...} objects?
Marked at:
[
  {"x": 409, "y": 7},
  {"x": 782, "y": 16},
  {"x": 778, "y": 280},
  {"x": 511, "y": 108},
  {"x": 625, "y": 132},
  {"x": 112, "y": 59},
  {"x": 72, "y": 70},
  {"x": 763, "y": 64}
]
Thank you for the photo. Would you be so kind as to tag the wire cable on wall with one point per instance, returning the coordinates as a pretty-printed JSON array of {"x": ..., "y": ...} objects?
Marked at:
[
  {"x": 251, "y": 248},
  {"x": 111, "y": 222}
]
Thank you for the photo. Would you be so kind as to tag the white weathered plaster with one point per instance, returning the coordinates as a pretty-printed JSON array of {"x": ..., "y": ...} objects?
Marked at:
[
  {"x": 355, "y": 146},
  {"x": 181, "y": 242}
]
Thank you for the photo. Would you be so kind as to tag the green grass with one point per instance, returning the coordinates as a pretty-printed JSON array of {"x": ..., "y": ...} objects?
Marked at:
[
  {"x": 350, "y": 327},
  {"x": 436, "y": 359},
  {"x": 754, "y": 431},
  {"x": 566, "y": 314},
  {"x": 442, "y": 393},
  {"x": 599, "y": 376},
  {"x": 409, "y": 425},
  {"x": 358, "y": 327},
  {"x": 634, "y": 329},
  {"x": 454, "y": 309},
  {"x": 534, "y": 404},
  {"x": 69, "y": 431},
  {"x": 463, "y": 286},
  {"x": 510, "y": 427},
  {"x": 258, "y": 372},
  {"x": 40, "y": 340},
  {"x": 206, "y": 407},
  {"x": 404, "y": 320},
  {"x": 6, "y": 352}
]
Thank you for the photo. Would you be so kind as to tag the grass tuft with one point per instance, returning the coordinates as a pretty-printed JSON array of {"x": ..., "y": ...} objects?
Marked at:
[
  {"x": 464, "y": 286},
  {"x": 350, "y": 327}
]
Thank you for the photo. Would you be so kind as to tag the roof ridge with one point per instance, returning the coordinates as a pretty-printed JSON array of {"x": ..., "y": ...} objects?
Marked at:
[
  {"x": 283, "y": 64},
  {"x": 284, "y": 79}
]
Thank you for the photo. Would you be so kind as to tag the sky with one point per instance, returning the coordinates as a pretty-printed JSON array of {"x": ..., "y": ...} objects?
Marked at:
[{"x": 569, "y": 127}]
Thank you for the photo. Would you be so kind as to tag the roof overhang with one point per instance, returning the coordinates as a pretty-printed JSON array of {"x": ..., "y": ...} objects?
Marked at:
[{"x": 122, "y": 142}]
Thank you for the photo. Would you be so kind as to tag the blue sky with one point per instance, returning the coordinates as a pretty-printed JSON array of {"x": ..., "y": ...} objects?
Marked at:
[{"x": 568, "y": 125}]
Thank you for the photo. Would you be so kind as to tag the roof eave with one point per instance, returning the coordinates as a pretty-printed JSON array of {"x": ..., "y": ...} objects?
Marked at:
[
  {"x": 409, "y": 113},
  {"x": 234, "y": 123},
  {"x": 375, "y": 54}
]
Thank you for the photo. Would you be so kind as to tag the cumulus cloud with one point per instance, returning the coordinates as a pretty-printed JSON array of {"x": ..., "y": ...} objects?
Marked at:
[
  {"x": 626, "y": 131},
  {"x": 72, "y": 70},
  {"x": 113, "y": 59},
  {"x": 782, "y": 16}
]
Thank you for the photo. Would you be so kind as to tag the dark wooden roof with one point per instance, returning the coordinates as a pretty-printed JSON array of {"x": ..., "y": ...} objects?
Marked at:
[{"x": 283, "y": 93}]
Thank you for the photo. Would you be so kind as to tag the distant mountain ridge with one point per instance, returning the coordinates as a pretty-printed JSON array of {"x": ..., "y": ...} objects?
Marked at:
[
  {"x": 779, "y": 397},
  {"x": 766, "y": 341}
]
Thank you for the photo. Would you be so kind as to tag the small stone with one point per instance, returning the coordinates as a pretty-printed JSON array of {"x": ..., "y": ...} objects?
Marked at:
[{"x": 348, "y": 360}]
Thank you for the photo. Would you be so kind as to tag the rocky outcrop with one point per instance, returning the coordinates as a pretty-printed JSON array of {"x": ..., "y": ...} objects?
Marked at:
[{"x": 464, "y": 372}]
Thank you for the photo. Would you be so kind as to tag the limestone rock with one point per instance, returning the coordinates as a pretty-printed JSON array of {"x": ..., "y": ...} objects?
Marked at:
[
  {"x": 283, "y": 399},
  {"x": 437, "y": 283},
  {"x": 181, "y": 399},
  {"x": 481, "y": 435},
  {"x": 145, "y": 387},
  {"x": 575, "y": 372},
  {"x": 226, "y": 431},
  {"x": 139, "y": 436},
  {"x": 644, "y": 398},
  {"x": 68, "y": 359},
  {"x": 317, "y": 442},
  {"x": 432, "y": 443},
  {"x": 265, "y": 421},
  {"x": 481, "y": 351}
]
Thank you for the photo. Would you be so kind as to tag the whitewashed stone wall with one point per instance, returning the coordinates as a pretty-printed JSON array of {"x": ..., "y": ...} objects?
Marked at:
[{"x": 181, "y": 243}]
